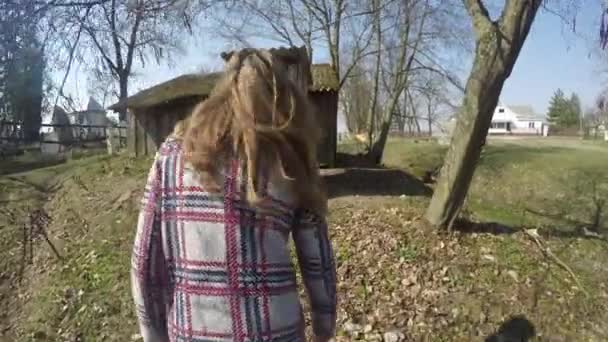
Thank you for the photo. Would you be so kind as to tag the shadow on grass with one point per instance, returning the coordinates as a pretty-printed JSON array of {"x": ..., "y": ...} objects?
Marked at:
[
  {"x": 572, "y": 228},
  {"x": 464, "y": 225},
  {"x": 515, "y": 329},
  {"x": 20, "y": 199},
  {"x": 501, "y": 156},
  {"x": 373, "y": 182},
  {"x": 33, "y": 190},
  {"x": 576, "y": 230},
  {"x": 354, "y": 160},
  {"x": 357, "y": 175},
  {"x": 11, "y": 166}
]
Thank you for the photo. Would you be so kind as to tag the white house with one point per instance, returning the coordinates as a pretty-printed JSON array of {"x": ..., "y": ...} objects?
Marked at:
[
  {"x": 517, "y": 120},
  {"x": 94, "y": 115}
]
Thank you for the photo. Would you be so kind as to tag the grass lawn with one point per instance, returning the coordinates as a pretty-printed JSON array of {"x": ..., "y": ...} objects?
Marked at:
[{"x": 395, "y": 273}]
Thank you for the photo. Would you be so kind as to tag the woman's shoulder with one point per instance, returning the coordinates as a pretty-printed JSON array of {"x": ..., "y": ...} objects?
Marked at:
[
  {"x": 170, "y": 147},
  {"x": 170, "y": 151}
]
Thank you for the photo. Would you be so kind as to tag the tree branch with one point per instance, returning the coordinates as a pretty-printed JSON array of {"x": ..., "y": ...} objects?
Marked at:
[
  {"x": 70, "y": 60},
  {"x": 479, "y": 15},
  {"x": 111, "y": 17},
  {"x": 100, "y": 48},
  {"x": 515, "y": 15},
  {"x": 132, "y": 45}
]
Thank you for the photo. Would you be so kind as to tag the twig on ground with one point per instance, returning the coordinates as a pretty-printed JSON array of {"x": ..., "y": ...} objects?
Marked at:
[
  {"x": 38, "y": 221},
  {"x": 534, "y": 236}
]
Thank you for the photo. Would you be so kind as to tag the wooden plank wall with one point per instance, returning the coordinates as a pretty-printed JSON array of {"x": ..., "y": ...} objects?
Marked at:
[
  {"x": 326, "y": 103},
  {"x": 152, "y": 134},
  {"x": 131, "y": 136},
  {"x": 300, "y": 74},
  {"x": 148, "y": 128},
  {"x": 141, "y": 136}
]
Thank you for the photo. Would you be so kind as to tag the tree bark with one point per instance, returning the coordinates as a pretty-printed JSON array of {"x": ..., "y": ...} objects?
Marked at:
[
  {"x": 498, "y": 45},
  {"x": 429, "y": 116},
  {"x": 123, "y": 81},
  {"x": 374, "y": 106},
  {"x": 376, "y": 152},
  {"x": 34, "y": 117}
]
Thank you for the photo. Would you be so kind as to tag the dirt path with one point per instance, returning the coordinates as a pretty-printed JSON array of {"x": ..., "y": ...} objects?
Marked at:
[{"x": 20, "y": 195}]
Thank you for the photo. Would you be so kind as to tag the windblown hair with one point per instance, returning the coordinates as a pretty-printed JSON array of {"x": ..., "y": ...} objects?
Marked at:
[
  {"x": 179, "y": 130},
  {"x": 259, "y": 115}
]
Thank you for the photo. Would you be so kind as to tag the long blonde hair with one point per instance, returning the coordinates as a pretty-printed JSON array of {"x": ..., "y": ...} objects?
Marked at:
[
  {"x": 179, "y": 129},
  {"x": 257, "y": 112}
]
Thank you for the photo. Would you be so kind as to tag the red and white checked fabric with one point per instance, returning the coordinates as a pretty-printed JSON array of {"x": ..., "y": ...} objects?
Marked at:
[{"x": 208, "y": 267}]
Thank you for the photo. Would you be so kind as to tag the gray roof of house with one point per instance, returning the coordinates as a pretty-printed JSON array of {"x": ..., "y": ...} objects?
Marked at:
[
  {"x": 94, "y": 105},
  {"x": 526, "y": 112}
]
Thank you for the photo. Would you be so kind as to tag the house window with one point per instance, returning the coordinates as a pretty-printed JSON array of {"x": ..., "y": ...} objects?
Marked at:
[
  {"x": 530, "y": 124},
  {"x": 498, "y": 125},
  {"x": 501, "y": 110}
]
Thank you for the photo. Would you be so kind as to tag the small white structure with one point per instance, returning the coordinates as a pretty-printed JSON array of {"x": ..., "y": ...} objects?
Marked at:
[
  {"x": 94, "y": 115},
  {"x": 520, "y": 120}
]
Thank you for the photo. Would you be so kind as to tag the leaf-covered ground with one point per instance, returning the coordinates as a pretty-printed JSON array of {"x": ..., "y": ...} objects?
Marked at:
[{"x": 398, "y": 278}]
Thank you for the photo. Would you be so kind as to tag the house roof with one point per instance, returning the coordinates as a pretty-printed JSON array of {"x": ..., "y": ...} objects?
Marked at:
[
  {"x": 525, "y": 112},
  {"x": 324, "y": 79},
  {"x": 94, "y": 105},
  {"x": 179, "y": 87}
]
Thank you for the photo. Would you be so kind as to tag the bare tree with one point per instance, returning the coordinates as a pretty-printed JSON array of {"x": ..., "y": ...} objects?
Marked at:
[
  {"x": 330, "y": 24},
  {"x": 119, "y": 33},
  {"x": 287, "y": 22},
  {"x": 354, "y": 100},
  {"x": 402, "y": 44},
  {"x": 498, "y": 43},
  {"x": 431, "y": 88}
]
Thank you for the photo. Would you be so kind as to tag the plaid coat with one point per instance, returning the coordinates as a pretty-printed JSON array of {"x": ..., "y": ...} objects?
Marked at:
[{"x": 208, "y": 267}]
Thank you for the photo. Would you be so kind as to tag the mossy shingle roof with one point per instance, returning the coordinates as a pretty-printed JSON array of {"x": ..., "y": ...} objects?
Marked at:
[
  {"x": 190, "y": 85},
  {"x": 179, "y": 87},
  {"x": 324, "y": 78}
]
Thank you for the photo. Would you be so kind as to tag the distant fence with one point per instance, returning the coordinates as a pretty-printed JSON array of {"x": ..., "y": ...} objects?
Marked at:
[
  {"x": 11, "y": 131},
  {"x": 13, "y": 141}
]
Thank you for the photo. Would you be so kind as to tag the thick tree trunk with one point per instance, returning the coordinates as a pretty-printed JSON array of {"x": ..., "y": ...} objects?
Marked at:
[
  {"x": 497, "y": 47},
  {"x": 124, "y": 93},
  {"x": 377, "y": 150},
  {"x": 30, "y": 104},
  {"x": 374, "y": 106}
]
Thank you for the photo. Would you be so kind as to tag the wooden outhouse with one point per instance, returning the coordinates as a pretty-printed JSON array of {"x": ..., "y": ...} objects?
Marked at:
[{"x": 152, "y": 113}]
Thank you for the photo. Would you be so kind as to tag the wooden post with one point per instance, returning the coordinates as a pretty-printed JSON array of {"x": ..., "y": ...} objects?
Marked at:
[{"x": 110, "y": 139}]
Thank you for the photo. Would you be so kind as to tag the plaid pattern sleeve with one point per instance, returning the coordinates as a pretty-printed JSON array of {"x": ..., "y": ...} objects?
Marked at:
[
  {"x": 316, "y": 259},
  {"x": 148, "y": 270}
]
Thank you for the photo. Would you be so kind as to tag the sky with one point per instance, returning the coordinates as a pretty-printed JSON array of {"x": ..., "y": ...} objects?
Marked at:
[{"x": 554, "y": 56}]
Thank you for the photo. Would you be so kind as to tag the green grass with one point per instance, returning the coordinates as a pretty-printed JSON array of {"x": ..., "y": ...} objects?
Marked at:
[
  {"x": 379, "y": 242},
  {"x": 516, "y": 181},
  {"x": 89, "y": 295},
  {"x": 86, "y": 296}
]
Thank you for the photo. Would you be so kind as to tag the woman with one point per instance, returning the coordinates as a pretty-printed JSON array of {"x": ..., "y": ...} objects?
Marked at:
[{"x": 211, "y": 260}]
